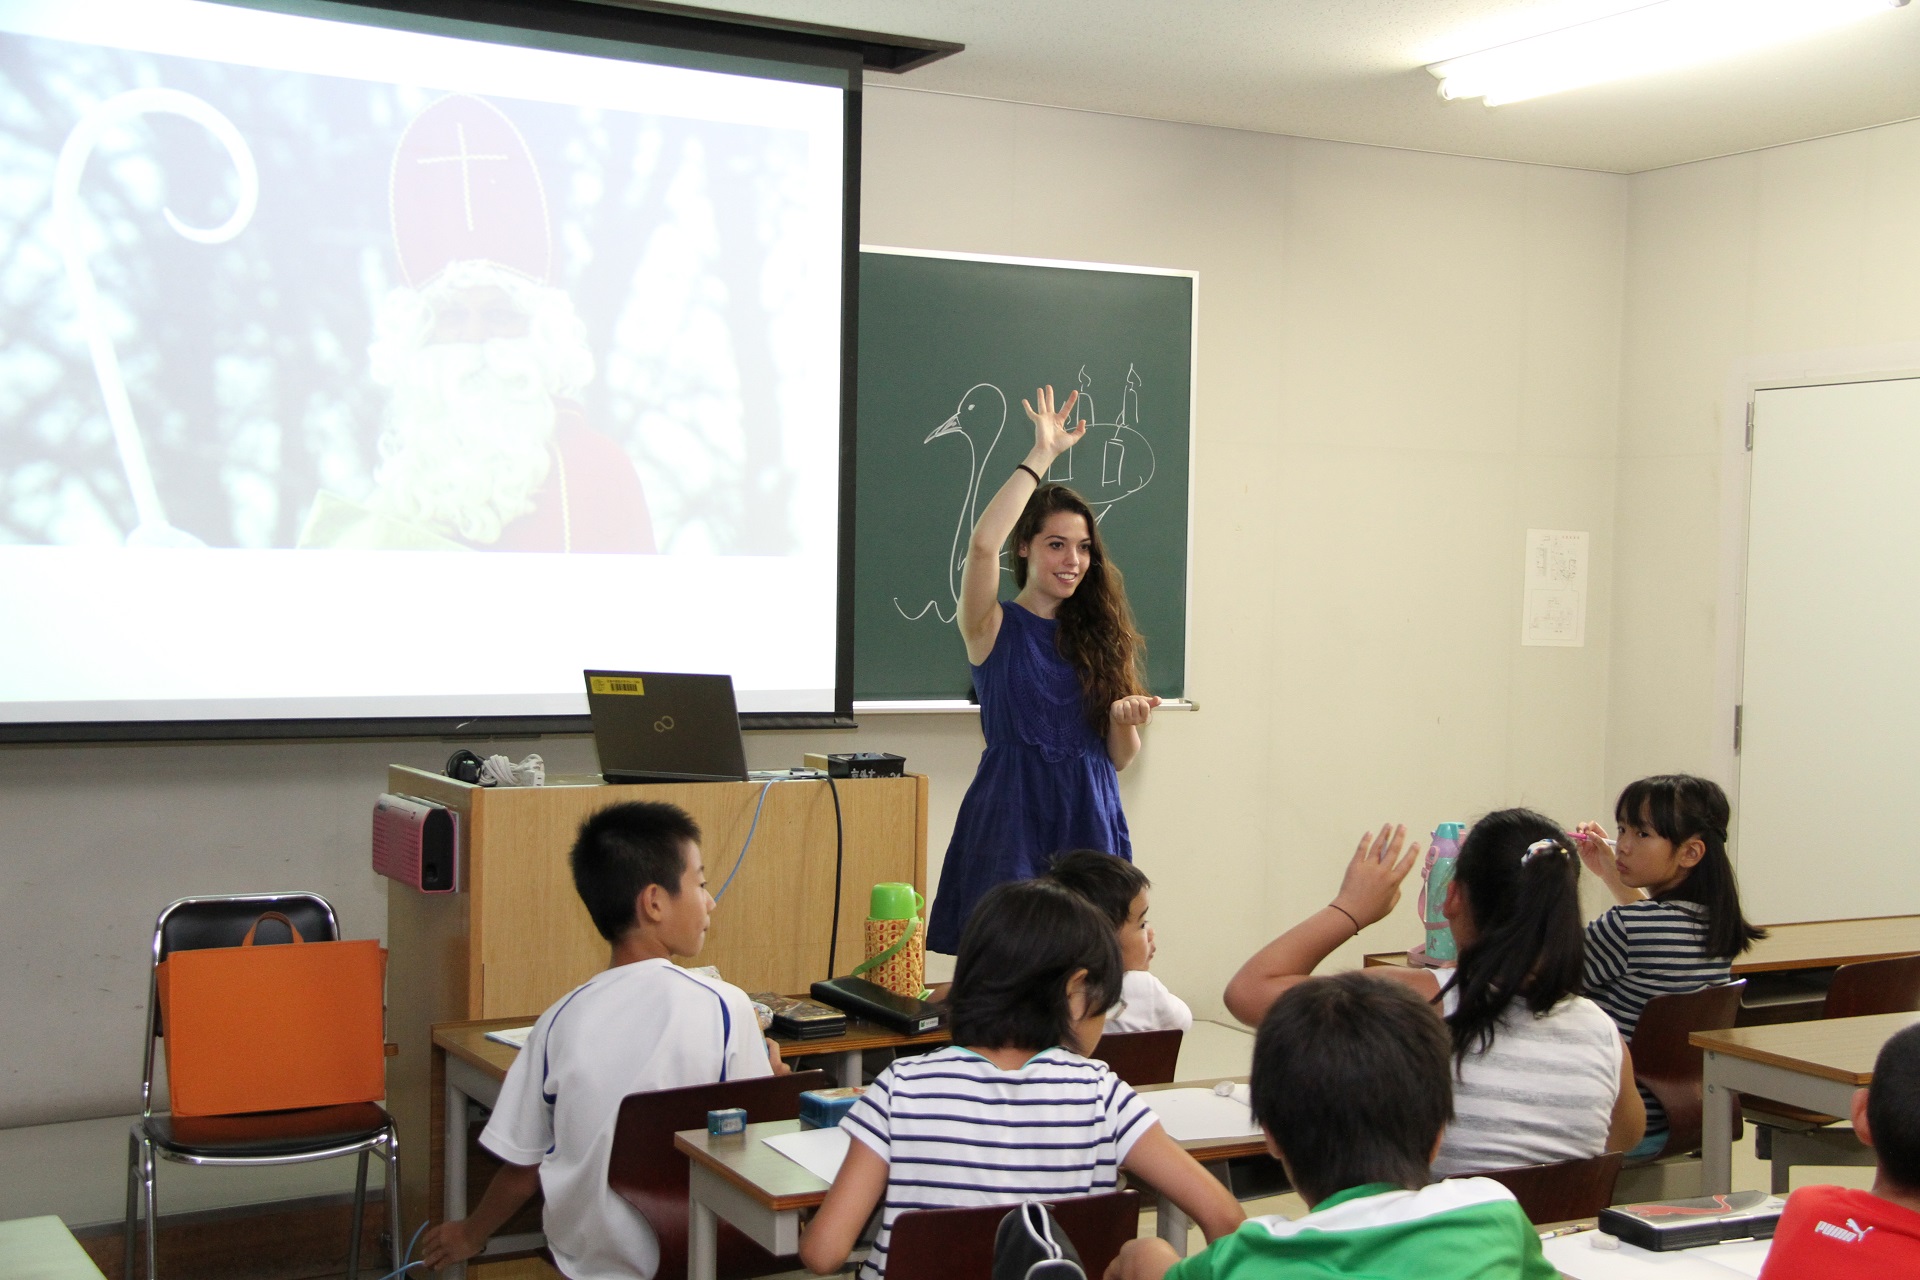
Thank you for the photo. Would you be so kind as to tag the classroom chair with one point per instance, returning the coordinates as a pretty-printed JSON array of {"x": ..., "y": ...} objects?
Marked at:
[
  {"x": 261, "y": 1138},
  {"x": 1564, "y": 1190},
  {"x": 1786, "y": 1135},
  {"x": 644, "y": 1169},
  {"x": 1141, "y": 1057},
  {"x": 1669, "y": 1066},
  {"x": 957, "y": 1244}
]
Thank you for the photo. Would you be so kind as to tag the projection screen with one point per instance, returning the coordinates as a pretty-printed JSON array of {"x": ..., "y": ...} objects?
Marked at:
[{"x": 366, "y": 372}]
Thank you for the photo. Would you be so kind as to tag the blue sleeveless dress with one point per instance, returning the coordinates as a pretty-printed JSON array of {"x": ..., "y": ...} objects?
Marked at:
[{"x": 1045, "y": 783}]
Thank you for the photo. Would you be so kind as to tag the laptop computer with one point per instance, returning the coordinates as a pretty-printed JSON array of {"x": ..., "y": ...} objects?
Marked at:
[{"x": 654, "y": 726}]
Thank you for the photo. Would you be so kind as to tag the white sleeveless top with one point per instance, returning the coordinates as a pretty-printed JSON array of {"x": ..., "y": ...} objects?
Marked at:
[{"x": 1543, "y": 1092}]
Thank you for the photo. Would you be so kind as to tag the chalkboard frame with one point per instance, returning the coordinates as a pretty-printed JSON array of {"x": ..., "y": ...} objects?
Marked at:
[{"x": 954, "y": 705}]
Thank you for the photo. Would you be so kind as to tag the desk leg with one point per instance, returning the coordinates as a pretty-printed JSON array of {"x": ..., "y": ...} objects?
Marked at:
[
  {"x": 852, "y": 1064},
  {"x": 703, "y": 1262},
  {"x": 453, "y": 1163},
  {"x": 1173, "y": 1224},
  {"x": 1716, "y": 1130}
]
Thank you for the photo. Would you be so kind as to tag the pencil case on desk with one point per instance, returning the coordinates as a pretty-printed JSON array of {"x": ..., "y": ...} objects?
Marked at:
[
  {"x": 822, "y": 1108},
  {"x": 1662, "y": 1225}
]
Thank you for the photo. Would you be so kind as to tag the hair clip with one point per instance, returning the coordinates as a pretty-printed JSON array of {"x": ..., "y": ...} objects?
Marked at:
[{"x": 1538, "y": 847}]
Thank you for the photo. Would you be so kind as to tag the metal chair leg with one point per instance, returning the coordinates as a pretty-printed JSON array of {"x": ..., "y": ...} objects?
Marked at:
[
  {"x": 398, "y": 1247},
  {"x": 359, "y": 1215},
  {"x": 153, "y": 1210},
  {"x": 133, "y": 1201}
]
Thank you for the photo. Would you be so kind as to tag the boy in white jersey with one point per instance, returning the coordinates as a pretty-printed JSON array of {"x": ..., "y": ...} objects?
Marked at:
[
  {"x": 1351, "y": 1085},
  {"x": 642, "y": 1024}
]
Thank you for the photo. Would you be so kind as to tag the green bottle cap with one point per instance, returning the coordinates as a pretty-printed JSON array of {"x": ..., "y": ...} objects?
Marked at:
[{"x": 1449, "y": 831}]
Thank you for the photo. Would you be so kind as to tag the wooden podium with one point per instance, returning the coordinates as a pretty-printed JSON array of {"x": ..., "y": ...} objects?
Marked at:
[{"x": 515, "y": 938}]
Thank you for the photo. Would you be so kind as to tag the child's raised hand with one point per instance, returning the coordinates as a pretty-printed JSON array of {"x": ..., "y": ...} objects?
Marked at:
[
  {"x": 1371, "y": 886},
  {"x": 1591, "y": 839}
]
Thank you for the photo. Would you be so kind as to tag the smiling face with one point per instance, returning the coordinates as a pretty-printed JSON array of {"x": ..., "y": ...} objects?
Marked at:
[
  {"x": 1059, "y": 555},
  {"x": 1648, "y": 860}
]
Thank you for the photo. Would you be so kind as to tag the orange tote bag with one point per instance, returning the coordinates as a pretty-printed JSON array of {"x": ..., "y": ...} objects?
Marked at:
[{"x": 270, "y": 1028}]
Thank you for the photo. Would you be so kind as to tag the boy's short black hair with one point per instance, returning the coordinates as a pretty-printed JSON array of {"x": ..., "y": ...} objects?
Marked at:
[
  {"x": 1110, "y": 883},
  {"x": 1350, "y": 1076},
  {"x": 1022, "y": 943},
  {"x": 1893, "y": 1109},
  {"x": 624, "y": 848}
]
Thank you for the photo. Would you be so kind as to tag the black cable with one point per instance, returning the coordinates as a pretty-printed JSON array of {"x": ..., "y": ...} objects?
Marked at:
[{"x": 839, "y": 864}]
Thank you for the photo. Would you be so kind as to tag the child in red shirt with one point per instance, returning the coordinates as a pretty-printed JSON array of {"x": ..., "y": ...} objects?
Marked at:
[{"x": 1835, "y": 1233}]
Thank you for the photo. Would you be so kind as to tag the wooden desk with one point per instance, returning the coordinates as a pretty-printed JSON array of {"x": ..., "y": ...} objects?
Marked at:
[
  {"x": 43, "y": 1249},
  {"x": 764, "y": 1195},
  {"x": 515, "y": 937},
  {"x": 1812, "y": 944},
  {"x": 468, "y": 1070},
  {"x": 1816, "y": 1065}
]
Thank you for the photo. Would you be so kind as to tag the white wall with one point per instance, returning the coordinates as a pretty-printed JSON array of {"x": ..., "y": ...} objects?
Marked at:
[
  {"x": 1742, "y": 269},
  {"x": 1406, "y": 361}
]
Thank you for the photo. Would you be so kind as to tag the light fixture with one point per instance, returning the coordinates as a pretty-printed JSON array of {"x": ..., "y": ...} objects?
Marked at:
[{"x": 1654, "y": 37}]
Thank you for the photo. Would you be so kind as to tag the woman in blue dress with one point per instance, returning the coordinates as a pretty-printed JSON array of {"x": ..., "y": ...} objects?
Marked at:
[{"x": 1057, "y": 669}]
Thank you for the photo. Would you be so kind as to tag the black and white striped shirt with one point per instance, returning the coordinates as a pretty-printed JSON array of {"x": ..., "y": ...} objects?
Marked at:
[
  {"x": 955, "y": 1130},
  {"x": 1646, "y": 949}
]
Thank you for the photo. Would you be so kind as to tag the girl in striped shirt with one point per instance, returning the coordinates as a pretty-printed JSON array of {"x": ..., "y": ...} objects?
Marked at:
[
  {"x": 1017, "y": 1113},
  {"x": 1677, "y": 925}
]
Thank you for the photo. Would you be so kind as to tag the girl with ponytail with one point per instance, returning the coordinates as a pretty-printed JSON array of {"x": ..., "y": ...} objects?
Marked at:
[{"x": 1540, "y": 1072}]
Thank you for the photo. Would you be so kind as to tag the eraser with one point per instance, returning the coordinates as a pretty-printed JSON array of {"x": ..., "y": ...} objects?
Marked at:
[{"x": 721, "y": 1124}]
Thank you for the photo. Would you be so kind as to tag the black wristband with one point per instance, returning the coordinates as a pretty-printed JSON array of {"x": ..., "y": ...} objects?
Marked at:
[
  {"x": 1348, "y": 914},
  {"x": 1030, "y": 471}
]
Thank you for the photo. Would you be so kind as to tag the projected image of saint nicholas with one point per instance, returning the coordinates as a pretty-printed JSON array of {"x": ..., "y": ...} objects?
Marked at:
[{"x": 483, "y": 444}]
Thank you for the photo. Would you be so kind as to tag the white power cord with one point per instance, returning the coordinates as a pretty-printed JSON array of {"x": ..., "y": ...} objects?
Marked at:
[{"x": 498, "y": 771}]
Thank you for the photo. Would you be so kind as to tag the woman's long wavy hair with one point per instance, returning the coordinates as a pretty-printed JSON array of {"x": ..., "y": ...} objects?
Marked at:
[
  {"x": 1521, "y": 878},
  {"x": 1096, "y": 633}
]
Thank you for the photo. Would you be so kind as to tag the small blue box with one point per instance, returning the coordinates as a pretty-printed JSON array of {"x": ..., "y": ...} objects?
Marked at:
[
  {"x": 822, "y": 1108},
  {"x": 721, "y": 1124}
]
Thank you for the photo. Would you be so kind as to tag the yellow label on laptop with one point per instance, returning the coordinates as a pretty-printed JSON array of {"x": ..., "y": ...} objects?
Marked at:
[{"x": 617, "y": 684}]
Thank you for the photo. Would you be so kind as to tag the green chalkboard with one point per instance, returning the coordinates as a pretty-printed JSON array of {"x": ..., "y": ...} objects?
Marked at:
[{"x": 959, "y": 342}]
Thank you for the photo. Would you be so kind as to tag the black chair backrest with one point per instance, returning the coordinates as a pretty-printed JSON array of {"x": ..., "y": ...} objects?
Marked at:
[
  {"x": 1874, "y": 986},
  {"x": 957, "y": 1244},
  {"x": 1669, "y": 1066},
  {"x": 1141, "y": 1057},
  {"x": 193, "y": 923},
  {"x": 1562, "y": 1191},
  {"x": 644, "y": 1169}
]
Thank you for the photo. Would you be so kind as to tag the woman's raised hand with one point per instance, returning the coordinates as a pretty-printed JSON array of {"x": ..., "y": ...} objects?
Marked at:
[
  {"x": 1371, "y": 886},
  {"x": 1051, "y": 435},
  {"x": 1135, "y": 709}
]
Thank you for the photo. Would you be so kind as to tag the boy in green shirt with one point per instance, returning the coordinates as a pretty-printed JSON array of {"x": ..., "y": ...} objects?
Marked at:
[{"x": 1352, "y": 1084}]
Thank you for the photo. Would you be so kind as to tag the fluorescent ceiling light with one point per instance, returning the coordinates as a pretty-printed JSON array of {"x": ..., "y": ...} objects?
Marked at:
[{"x": 1655, "y": 37}]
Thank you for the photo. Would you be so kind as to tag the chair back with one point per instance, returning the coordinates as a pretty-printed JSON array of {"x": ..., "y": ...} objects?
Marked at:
[
  {"x": 957, "y": 1244},
  {"x": 1141, "y": 1057},
  {"x": 1562, "y": 1191},
  {"x": 644, "y": 1169},
  {"x": 1669, "y": 1066},
  {"x": 1874, "y": 986},
  {"x": 189, "y": 924}
]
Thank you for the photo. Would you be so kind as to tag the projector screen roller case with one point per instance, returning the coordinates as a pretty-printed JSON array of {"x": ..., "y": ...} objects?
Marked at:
[{"x": 363, "y": 373}]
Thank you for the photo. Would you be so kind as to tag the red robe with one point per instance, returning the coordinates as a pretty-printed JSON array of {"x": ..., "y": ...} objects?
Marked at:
[{"x": 591, "y": 500}]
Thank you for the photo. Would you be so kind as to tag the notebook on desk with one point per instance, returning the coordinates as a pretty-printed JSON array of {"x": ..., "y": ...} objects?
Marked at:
[{"x": 653, "y": 726}]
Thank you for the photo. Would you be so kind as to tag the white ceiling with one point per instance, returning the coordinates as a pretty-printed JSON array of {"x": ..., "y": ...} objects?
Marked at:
[{"x": 1353, "y": 70}]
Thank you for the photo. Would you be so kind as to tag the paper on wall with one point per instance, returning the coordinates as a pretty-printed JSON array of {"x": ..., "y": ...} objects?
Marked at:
[{"x": 1555, "y": 593}]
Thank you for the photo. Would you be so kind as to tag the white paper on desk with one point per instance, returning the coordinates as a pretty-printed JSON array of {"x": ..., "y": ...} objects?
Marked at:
[
  {"x": 818, "y": 1151},
  {"x": 1575, "y": 1257},
  {"x": 1188, "y": 1115},
  {"x": 516, "y": 1037}
]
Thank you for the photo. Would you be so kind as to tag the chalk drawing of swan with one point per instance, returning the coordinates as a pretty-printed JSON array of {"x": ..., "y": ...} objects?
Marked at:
[{"x": 981, "y": 410}]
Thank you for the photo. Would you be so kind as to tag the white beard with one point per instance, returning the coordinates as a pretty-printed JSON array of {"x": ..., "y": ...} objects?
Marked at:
[{"x": 466, "y": 444}]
